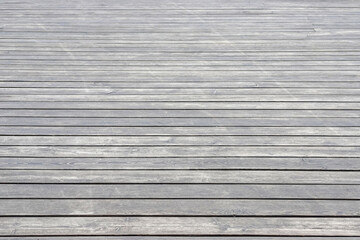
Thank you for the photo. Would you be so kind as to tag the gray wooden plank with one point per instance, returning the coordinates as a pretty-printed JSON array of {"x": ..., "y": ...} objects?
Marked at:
[
  {"x": 191, "y": 93},
  {"x": 177, "y": 47},
  {"x": 227, "y": 87},
  {"x": 82, "y": 68},
  {"x": 212, "y": 13},
  {"x": 176, "y": 191},
  {"x": 178, "y": 141},
  {"x": 257, "y": 35},
  {"x": 100, "y": 95},
  {"x": 179, "y": 226},
  {"x": 82, "y": 102},
  {"x": 226, "y": 56},
  {"x": 168, "y": 25},
  {"x": 214, "y": 61},
  {"x": 146, "y": 163},
  {"x": 179, "y": 176},
  {"x": 314, "y": 208},
  {"x": 178, "y": 151},
  {"x": 182, "y": 122},
  {"x": 188, "y": 36},
  {"x": 177, "y": 131},
  {"x": 180, "y": 11},
  {"x": 177, "y": 76},
  {"x": 154, "y": 27},
  {"x": 177, "y": 113},
  {"x": 347, "y": 22},
  {"x": 203, "y": 45},
  {"x": 256, "y": 4},
  {"x": 55, "y": 56}
]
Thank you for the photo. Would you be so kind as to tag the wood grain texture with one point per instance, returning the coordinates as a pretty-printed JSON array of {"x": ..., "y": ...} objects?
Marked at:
[
  {"x": 178, "y": 141},
  {"x": 178, "y": 151},
  {"x": 177, "y": 131},
  {"x": 178, "y": 113},
  {"x": 179, "y": 119},
  {"x": 179, "y": 191},
  {"x": 179, "y": 176},
  {"x": 180, "y": 163},
  {"x": 179, "y": 208},
  {"x": 74, "y": 103},
  {"x": 179, "y": 226}
]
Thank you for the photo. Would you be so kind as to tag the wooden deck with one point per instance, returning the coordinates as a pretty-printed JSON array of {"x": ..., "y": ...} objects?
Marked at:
[{"x": 179, "y": 120}]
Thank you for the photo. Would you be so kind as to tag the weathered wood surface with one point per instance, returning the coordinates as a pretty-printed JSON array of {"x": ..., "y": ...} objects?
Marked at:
[
  {"x": 179, "y": 113},
  {"x": 180, "y": 191},
  {"x": 178, "y": 225},
  {"x": 177, "y": 151},
  {"x": 179, "y": 176},
  {"x": 195, "y": 163},
  {"x": 179, "y": 119},
  {"x": 179, "y": 207},
  {"x": 178, "y": 141},
  {"x": 201, "y": 105}
]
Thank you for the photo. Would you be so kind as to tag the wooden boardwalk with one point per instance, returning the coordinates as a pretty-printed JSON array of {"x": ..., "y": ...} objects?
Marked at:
[{"x": 179, "y": 120}]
